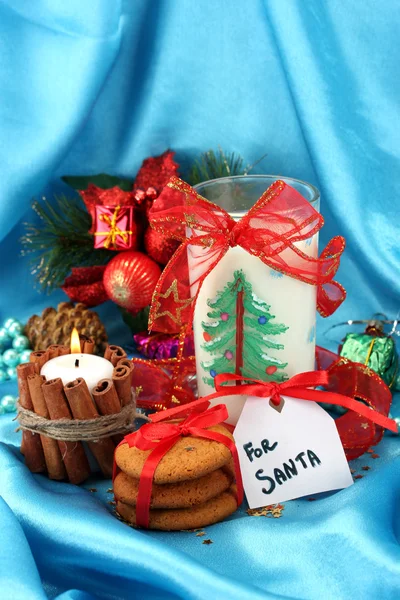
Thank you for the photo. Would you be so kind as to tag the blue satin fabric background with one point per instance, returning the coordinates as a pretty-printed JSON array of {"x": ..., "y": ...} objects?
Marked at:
[{"x": 97, "y": 86}]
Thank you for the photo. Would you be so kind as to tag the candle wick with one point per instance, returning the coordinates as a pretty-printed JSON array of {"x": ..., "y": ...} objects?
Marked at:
[{"x": 77, "y": 362}]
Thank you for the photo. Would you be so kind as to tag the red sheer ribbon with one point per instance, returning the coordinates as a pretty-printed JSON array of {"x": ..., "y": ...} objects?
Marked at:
[
  {"x": 270, "y": 230},
  {"x": 163, "y": 432},
  {"x": 161, "y": 383},
  {"x": 344, "y": 381}
]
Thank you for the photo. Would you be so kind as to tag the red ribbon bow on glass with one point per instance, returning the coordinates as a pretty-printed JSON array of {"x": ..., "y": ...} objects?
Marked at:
[
  {"x": 352, "y": 379},
  {"x": 160, "y": 435},
  {"x": 270, "y": 230}
]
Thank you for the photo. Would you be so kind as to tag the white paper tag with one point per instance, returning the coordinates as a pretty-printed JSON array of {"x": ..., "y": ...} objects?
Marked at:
[{"x": 288, "y": 454}]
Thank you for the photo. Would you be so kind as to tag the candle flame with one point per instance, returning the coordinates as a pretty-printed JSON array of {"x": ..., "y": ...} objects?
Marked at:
[{"x": 75, "y": 342}]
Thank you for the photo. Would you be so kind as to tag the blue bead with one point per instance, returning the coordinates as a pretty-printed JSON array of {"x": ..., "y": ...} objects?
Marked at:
[
  {"x": 12, "y": 373},
  {"x": 15, "y": 329},
  {"x": 5, "y": 339},
  {"x": 213, "y": 373},
  {"x": 8, "y": 322},
  {"x": 262, "y": 320},
  {"x": 25, "y": 356},
  {"x": 20, "y": 342},
  {"x": 3, "y": 376},
  {"x": 11, "y": 357},
  {"x": 9, "y": 403}
]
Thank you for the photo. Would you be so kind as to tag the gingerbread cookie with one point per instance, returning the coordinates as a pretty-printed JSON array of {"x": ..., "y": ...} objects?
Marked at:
[
  {"x": 189, "y": 458},
  {"x": 175, "y": 495},
  {"x": 210, "y": 512}
]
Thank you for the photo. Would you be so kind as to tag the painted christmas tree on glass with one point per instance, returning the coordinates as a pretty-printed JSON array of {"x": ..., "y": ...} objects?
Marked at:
[{"x": 238, "y": 337}]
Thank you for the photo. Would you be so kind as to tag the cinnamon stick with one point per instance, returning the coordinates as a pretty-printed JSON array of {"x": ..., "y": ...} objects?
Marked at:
[
  {"x": 125, "y": 362},
  {"x": 121, "y": 377},
  {"x": 106, "y": 398},
  {"x": 52, "y": 454},
  {"x": 73, "y": 454},
  {"x": 82, "y": 407},
  {"x": 32, "y": 446},
  {"x": 57, "y": 350},
  {"x": 107, "y": 401},
  {"x": 40, "y": 358},
  {"x": 114, "y": 354},
  {"x": 87, "y": 344}
]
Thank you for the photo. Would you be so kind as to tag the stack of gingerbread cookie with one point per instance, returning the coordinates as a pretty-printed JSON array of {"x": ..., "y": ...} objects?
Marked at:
[{"x": 193, "y": 484}]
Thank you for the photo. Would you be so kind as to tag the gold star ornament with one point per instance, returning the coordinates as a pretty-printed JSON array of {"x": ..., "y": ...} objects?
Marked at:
[{"x": 180, "y": 305}]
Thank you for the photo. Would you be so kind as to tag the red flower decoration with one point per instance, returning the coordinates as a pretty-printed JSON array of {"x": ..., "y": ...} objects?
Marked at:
[
  {"x": 154, "y": 174},
  {"x": 85, "y": 284}
]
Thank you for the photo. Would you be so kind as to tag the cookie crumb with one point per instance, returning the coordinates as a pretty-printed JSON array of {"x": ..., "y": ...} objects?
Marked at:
[
  {"x": 374, "y": 455},
  {"x": 200, "y": 534},
  {"x": 366, "y": 468},
  {"x": 92, "y": 490},
  {"x": 207, "y": 542},
  {"x": 358, "y": 476},
  {"x": 109, "y": 491}
]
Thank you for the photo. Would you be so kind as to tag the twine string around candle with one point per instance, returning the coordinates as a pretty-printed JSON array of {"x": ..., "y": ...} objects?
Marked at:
[{"x": 85, "y": 430}]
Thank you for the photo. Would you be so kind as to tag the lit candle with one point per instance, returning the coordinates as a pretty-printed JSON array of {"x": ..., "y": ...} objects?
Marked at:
[{"x": 70, "y": 366}]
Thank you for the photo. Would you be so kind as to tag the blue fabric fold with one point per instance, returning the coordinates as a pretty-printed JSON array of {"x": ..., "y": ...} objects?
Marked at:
[{"x": 89, "y": 87}]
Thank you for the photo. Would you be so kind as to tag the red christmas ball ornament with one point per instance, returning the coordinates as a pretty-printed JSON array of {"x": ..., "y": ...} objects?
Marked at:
[
  {"x": 271, "y": 370},
  {"x": 130, "y": 279},
  {"x": 159, "y": 246},
  {"x": 206, "y": 336}
]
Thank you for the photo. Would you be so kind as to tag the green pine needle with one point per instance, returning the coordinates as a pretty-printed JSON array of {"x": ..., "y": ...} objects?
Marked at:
[
  {"x": 212, "y": 165},
  {"x": 61, "y": 241}
]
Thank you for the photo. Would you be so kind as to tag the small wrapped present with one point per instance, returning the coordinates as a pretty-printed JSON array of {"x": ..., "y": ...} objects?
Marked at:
[{"x": 115, "y": 228}]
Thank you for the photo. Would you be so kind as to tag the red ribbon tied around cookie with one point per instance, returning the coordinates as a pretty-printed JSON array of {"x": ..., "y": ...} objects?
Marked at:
[
  {"x": 161, "y": 435},
  {"x": 270, "y": 231}
]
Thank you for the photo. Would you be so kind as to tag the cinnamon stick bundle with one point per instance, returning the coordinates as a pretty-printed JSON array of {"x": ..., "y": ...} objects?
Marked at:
[
  {"x": 82, "y": 407},
  {"x": 73, "y": 454},
  {"x": 121, "y": 377},
  {"x": 52, "y": 454},
  {"x": 114, "y": 354},
  {"x": 32, "y": 445},
  {"x": 39, "y": 358}
]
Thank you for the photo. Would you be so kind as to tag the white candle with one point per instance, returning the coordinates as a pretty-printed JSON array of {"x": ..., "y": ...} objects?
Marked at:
[
  {"x": 91, "y": 368},
  {"x": 292, "y": 309}
]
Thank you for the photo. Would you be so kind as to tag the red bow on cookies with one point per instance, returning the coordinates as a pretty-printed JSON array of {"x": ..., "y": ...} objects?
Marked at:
[{"x": 163, "y": 432}]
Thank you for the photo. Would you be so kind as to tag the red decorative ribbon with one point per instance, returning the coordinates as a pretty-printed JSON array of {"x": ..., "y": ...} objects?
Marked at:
[
  {"x": 161, "y": 434},
  {"x": 270, "y": 231},
  {"x": 358, "y": 429}
]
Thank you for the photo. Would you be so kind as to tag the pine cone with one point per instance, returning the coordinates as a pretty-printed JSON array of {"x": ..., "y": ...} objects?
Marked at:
[{"x": 55, "y": 326}]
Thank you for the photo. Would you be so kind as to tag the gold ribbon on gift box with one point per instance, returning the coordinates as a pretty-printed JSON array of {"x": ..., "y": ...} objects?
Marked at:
[{"x": 114, "y": 231}]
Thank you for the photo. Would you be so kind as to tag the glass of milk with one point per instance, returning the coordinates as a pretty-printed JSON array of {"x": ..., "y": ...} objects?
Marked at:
[{"x": 250, "y": 319}]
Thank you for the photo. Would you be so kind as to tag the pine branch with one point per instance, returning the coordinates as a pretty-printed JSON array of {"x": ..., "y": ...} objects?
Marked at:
[
  {"x": 61, "y": 241},
  {"x": 212, "y": 165}
]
